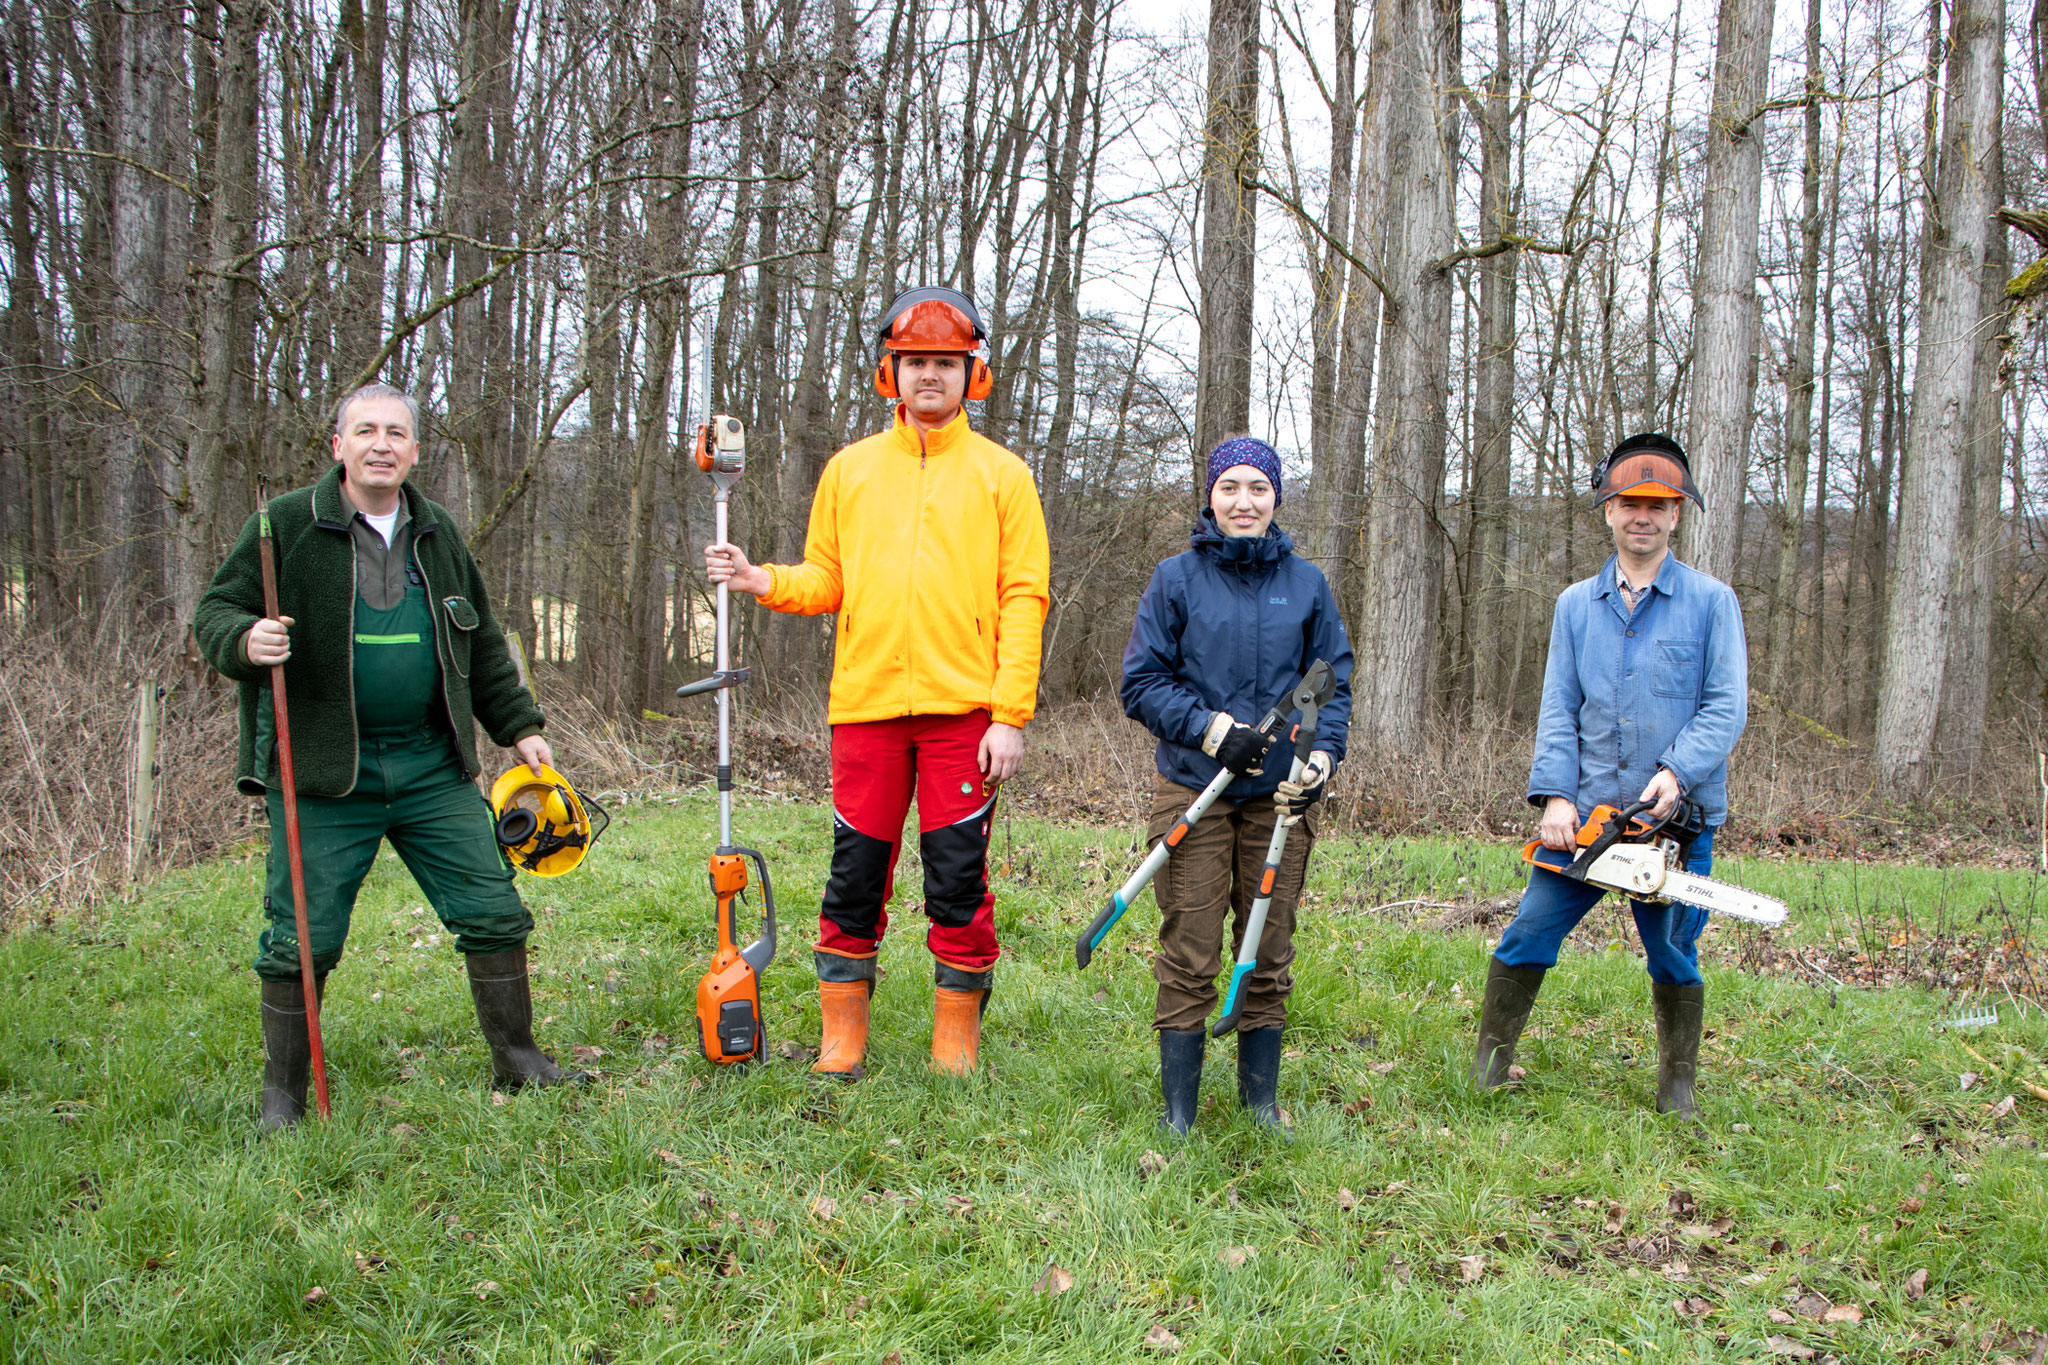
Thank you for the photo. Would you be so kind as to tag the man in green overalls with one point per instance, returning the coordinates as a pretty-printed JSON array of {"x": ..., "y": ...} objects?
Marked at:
[{"x": 390, "y": 649}]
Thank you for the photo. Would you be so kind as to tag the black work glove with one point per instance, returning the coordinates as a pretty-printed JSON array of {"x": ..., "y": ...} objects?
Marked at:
[{"x": 1237, "y": 747}]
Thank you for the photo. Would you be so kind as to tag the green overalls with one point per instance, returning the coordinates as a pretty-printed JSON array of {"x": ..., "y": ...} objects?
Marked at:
[{"x": 410, "y": 789}]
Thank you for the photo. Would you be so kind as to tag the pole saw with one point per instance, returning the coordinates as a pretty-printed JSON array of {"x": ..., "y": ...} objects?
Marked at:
[
  {"x": 1309, "y": 697},
  {"x": 1644, "y": 859},
  {"x": 1319, "y": 679},
  {"x": 729, "y": 995},
  {"x": 289, "y": 794}
]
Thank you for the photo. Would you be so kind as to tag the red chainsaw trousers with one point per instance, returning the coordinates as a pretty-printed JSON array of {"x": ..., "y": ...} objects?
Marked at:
[{"x": 876, "y": 768}]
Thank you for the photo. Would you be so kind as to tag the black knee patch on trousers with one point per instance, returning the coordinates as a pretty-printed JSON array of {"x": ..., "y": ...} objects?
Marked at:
[
  {"x": 956, "y": 869},
  {"x": 860, "y": 878}
]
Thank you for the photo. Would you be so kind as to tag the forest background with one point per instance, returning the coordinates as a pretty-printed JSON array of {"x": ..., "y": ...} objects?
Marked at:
[{"x": 1443, "y": 253}]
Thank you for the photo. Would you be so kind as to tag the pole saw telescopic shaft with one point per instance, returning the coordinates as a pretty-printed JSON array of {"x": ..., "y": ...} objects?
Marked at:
[{"x": 289, "y": 794}]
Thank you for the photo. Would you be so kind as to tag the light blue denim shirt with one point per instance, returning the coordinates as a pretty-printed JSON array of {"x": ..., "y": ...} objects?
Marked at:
[{"x": 1625, "y": 695}]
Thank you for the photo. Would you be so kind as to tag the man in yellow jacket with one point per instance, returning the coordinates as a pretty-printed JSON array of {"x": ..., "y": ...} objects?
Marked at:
[{"x": 929, "y": 542}]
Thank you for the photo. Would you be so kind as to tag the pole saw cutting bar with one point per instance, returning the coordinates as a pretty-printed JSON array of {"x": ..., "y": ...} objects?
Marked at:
[
  {"x": 289, "y": 798},
  {"x": 729, "y": 995},
  {"x": 1322, "y": 682},
  {"x": 1310, "y": 696}
]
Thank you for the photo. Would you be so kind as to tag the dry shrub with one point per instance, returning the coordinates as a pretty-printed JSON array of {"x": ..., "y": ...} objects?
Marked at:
[{"x": 68, "y": 736}]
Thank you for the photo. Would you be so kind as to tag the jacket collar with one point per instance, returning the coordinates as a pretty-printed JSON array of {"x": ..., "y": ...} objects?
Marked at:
[
  {"x": 333, "y": 510},
  {"x": 948, "y": 437},
  {"x": 1665, "y": 581},
  {"x": 1238, "y": 552}
]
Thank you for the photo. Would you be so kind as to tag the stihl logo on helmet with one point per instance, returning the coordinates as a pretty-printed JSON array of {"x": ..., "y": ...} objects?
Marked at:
[{"x": 933, "y": 321}]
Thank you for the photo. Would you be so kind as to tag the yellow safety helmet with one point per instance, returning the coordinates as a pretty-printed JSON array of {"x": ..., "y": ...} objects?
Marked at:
[{"x": 544, "y": 824}]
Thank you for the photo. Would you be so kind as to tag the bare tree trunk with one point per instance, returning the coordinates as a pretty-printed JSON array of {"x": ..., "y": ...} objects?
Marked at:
[
  {"x": 1228, "y": 266},
  {"x": 1494, "y": 384},
  {"x": 1787, "y": 583},
  {"x": 1959, "y": 733},
  {"x": 363, "y": 26},
  {"x": 149, "y": 122},
  {"x": 1919, "y": 625},
  {"x": 1404, "y": 559},
  {"x": 27, "y": 355},
  {"x": 1328, "y": 536},
  {"x": 1725, "y": 313}
]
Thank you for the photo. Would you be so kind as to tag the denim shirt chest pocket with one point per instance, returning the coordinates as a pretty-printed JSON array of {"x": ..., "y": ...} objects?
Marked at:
[{"x": 1676, "y": 667}]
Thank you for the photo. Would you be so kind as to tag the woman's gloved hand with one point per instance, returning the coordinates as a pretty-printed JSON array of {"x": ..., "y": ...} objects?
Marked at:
[
  {"x": 1236, "y": 746},
  {"x": 1294, "y": 798}
]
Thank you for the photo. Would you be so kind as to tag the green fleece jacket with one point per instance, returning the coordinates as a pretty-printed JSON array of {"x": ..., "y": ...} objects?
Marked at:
[{"x": 316, "y": 587}]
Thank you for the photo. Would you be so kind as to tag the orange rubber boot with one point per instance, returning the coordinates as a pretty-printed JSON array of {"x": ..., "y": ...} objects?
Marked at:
[
  {"x": 956, "y": 1030},
  {"x": 844, "y": 1007}
]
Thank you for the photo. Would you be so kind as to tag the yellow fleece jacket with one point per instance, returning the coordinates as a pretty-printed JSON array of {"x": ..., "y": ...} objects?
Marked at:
[{"x": 932, "y": 549}]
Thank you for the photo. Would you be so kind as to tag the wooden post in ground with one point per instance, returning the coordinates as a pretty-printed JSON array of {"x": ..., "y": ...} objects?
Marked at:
[{"x": 142, "y": 790}]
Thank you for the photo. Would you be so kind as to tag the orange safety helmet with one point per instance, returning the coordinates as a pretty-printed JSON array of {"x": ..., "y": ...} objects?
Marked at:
[
  {"x": 933, "y": 321},
  {"x": 1650, "y": 465}
]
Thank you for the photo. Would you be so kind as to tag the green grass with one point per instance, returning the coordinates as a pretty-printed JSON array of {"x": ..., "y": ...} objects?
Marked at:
[{"x": 671, "y": 1214}]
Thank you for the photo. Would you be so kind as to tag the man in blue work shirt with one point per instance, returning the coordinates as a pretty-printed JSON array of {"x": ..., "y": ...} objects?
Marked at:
[{"x": 1645, "y": 693}]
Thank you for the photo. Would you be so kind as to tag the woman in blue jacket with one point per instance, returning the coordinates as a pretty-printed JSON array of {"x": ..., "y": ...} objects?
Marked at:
[{"x": 1222, "y": 632}]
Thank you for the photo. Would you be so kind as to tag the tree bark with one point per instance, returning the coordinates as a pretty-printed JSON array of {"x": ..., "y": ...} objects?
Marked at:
[
  {"x": 1403, "y": 554},
  {"x": 1724, "y": 350},
  {"x": 1787, "y": 585},
  {"x": 1955, "y": 248},
  {"x": 1227, "y": 269},
  {"x": 1493, "y": 413}
]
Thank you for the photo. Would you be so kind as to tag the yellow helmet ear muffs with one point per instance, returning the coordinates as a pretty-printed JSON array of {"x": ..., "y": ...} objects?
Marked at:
[{"x": 544, "y": 825}]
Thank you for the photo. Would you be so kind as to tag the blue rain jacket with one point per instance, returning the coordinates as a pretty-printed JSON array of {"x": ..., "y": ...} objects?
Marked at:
[
  {"x": 1229, "y": 626},
  {"x": 1623, "y": 697}
]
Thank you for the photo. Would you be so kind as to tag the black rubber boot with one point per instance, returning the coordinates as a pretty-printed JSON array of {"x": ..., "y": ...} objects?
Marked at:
[
  {"x": 1180, "y": 1077},
  {"x": 504, "y": 1010},
  {"x": 287, "y": 1051},
  {"x": 1258, "y": 1075},
  {"x": 1681, "y": 1013},
  {"x": 1510, "y": 995}
]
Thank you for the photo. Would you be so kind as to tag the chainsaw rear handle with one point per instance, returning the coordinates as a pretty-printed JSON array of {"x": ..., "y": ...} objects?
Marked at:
[{"x": 761, "y": 951}]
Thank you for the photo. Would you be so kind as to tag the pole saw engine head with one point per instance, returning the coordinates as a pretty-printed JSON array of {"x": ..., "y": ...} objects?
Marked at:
[
  {"x": 722, "y": 447},
  {"x": 543, "y": 824}
]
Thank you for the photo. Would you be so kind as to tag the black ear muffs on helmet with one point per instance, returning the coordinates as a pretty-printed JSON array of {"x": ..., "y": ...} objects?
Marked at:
[{"x": 933, "y": 320}]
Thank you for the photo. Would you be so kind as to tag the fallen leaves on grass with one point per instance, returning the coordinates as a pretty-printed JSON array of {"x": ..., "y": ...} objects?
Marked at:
[
  {"x": 789, "y": 1049},
  {"x": 1471, "y": 1269},
  {"x": 1911, "y": 1204},
  {"x": 1681, "y": 1204},
  {"x": 1150, "y": 1164},
  {"x": 1399, "y": 1271},
  {"x": 1233, "y": 1257},
  {"x": 370, "y": 1265},
  {"x": 1916, "y": 1284},
  {"x": 824, "y": 1208},
  {"x": 485, "y": 1288},
  {"x": 1517, "y": 1072},
  {"x": 315, "y": 1295},
  {"x": 2003, "y": 1107},
  {"x": 1617, "y": 1218},
  {"x": 403, "y": 1131},
  {"x": 857, "y": 1307},
  {"x": 583, "y": 1052},
  {"x": 500, "y": 1098},
  {"x": 1811, "y": 1306},
  {"x": 1159, "y": 1339},
  {"x": 1843, "y": 1312},
  {"x": 1677, "y": 1270},
  {"x": 1346, "y": 1200},
  {"x": 1969, "y": 1078},
  {"x": 641, "y": 1298},
  {"x": 1359, "y": 1105},
  {"x": 1691, "y": 1308},
  {"x": 1785, "y": 1346},
  {"x": 1382, "y": 1068},
  {"x": 1054, "y": 1281}
]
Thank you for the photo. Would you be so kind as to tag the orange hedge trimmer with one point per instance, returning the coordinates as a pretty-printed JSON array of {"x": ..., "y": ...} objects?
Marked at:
[{"x": 729, "y": 996}]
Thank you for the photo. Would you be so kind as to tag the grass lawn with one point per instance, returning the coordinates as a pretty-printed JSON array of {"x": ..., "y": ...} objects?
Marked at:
[{"x": 1848, "y": 1197}]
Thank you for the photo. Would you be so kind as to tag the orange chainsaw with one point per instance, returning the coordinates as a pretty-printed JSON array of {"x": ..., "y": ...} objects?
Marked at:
[
  {"x": 1644, "y": 859},
  {"x": 729, "y": 996}
]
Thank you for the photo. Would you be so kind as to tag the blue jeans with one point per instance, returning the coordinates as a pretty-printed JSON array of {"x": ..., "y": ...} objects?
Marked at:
[{"x": 1552, "y": 907}]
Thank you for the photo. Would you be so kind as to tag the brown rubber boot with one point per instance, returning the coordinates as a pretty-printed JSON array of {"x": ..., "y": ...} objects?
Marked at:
[
  {"x": 504, "y": 1011},
  {"x": 1681, "y": 1013},
  {"x": 1510, "y": 995},
  {"x": 956, "y": 1017}
]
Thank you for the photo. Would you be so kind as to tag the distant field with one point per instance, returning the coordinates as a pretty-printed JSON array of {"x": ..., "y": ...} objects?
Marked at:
[{"x": 1848, "y": 1196}]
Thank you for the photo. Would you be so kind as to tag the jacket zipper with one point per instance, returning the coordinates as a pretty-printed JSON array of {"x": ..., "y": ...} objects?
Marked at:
[
  {"x": 916, "y": 541},
  {"x": 447, "y": 707}
]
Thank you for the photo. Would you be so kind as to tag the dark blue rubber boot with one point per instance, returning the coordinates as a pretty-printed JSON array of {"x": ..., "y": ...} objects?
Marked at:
[
  {"x": 1258, "y": 1075},
  {"x": 1180, "y": 1077}
]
